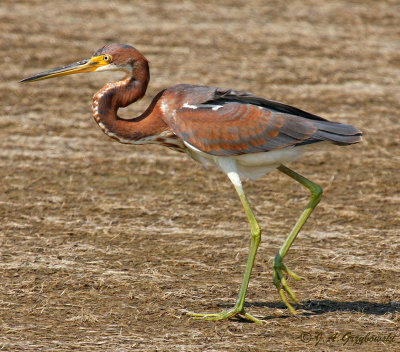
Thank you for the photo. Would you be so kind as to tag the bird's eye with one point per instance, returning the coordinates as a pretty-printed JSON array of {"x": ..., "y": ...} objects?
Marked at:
[{"x": 107, "y": 58}]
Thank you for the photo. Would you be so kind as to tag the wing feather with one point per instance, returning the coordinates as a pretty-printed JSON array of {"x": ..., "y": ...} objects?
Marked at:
[{"x": 227, "y": 122}]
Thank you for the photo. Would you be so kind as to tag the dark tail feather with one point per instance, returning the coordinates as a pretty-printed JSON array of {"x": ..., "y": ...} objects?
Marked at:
[
  {"x": 337, "y": 138},
  {"x": 337, "y": 133}
]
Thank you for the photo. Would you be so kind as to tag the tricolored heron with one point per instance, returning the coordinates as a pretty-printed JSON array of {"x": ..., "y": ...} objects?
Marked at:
[{"x": 241, "y": 134}]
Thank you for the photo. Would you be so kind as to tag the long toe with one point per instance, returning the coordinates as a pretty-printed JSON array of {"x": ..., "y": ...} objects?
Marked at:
[
  {"x": 226, "y": 314},
  {"x": 281, "y": 284}
]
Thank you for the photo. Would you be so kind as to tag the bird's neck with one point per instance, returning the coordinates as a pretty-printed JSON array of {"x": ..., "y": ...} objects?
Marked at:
[{"x": 112, "y": 96}]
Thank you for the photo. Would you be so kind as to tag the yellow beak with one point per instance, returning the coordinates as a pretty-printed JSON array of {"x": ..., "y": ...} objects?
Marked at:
[{"x": 88, "y": 65}]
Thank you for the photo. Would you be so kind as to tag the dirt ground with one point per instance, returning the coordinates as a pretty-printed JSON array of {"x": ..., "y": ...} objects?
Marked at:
[{"x": 104, "y": 246}]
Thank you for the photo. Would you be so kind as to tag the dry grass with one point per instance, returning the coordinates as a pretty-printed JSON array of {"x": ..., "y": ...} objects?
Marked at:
[{"x": 103, "y": 246}]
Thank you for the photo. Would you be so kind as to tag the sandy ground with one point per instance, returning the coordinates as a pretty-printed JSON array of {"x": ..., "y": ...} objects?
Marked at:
[{"x": 103, "y": 246}]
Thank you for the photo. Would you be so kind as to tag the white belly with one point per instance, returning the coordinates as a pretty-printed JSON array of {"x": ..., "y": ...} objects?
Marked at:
[{"x": 254, "y": 165}]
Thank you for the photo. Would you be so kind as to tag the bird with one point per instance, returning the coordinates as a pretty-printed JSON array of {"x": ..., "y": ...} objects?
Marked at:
[{"x": 241, "y": 134}]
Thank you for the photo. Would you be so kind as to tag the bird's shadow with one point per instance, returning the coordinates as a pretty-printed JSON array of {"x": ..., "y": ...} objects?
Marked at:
[{"x": 319, "y": 307}]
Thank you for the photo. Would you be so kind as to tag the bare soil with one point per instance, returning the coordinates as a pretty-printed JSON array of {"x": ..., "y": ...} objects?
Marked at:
[{"x": 104, "y": 246}]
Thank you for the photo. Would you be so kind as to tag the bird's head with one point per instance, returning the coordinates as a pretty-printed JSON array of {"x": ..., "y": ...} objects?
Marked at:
[{"x": 111, "y": 57}]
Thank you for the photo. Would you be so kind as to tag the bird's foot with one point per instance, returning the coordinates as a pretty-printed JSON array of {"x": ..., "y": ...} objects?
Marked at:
[
  {"x": 226, "y": 314},
  {"x": 281, "y": 284}
]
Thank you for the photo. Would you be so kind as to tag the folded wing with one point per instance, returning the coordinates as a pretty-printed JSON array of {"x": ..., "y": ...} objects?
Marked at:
[{"x": 234, "y": 123}]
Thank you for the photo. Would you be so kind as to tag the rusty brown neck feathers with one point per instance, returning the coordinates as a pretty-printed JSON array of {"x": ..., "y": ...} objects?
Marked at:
[{"x": 115, "y": 95}]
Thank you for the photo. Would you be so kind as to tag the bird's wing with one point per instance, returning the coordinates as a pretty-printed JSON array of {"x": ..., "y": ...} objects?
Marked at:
[
  {"x": 228, "y": 122},
  {"x": 230, "y": 95}
]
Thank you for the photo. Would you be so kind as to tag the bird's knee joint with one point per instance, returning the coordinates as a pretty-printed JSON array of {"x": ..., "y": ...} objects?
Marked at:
[
  {"x": 316, "y": 192},
  {"x": 256, "y": 232}
]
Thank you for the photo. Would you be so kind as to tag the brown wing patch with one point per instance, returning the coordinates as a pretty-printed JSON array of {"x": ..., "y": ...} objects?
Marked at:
[
  {"x": 273, "y": 133},
  {"x": 237, "y": 128}
]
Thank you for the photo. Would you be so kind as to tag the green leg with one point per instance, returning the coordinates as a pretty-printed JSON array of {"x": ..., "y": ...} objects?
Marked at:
[
  {"x": 279, "y": 267},
  {"x": 238, "y": 309}
]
